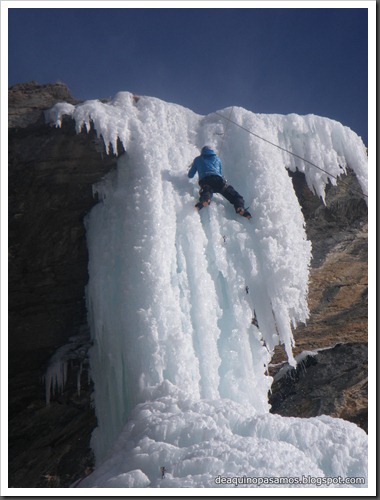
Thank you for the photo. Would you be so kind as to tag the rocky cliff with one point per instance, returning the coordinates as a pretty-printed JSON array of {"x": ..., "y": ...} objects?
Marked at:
[
  {"x": 51, "y": 174},
  {"x": 331, "y": 381}
]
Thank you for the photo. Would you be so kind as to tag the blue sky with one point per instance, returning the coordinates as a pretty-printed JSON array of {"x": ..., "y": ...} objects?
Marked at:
[{"x": 267, "y": 60}]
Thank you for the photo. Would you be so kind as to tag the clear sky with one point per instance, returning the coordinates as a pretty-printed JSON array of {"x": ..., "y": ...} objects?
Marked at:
[{"x": 267, "y": 60}]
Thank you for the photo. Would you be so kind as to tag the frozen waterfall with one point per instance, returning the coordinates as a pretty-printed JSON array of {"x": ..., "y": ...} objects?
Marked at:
[{"x": 179, "y": 367}]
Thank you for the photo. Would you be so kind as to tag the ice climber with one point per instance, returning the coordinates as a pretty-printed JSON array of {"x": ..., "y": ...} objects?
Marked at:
[{"x": 209, "y": 168}]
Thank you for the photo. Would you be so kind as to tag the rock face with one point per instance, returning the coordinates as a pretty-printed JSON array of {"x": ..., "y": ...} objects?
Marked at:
[
  {"x": 338, "y": 287},
  {"x": 335, "y": 381},
  {"x": 51, "y": 174},
  {"x": 331, "y": 382}
]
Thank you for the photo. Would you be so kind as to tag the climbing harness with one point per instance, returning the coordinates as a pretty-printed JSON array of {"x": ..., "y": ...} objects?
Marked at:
[{"x": 286, "y": 151}]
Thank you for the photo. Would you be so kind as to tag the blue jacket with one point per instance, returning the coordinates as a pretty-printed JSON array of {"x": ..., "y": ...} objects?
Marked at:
[{"x": 208, "y": 163}]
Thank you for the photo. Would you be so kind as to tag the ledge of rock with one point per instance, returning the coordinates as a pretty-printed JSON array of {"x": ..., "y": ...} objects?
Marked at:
[{"x": 328, "y": 382}]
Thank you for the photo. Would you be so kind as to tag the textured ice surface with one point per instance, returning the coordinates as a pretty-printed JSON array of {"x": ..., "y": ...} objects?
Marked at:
[{"x": 180, "y": 370}]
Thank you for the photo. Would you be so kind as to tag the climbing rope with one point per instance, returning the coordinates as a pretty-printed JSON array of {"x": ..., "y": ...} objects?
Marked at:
[{"x": 287, "y": 151}]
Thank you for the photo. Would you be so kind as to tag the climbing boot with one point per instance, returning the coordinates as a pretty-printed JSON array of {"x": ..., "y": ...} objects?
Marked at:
[
  {"x": 200, "y": 204},
  {"x": 243, "y": 212}
]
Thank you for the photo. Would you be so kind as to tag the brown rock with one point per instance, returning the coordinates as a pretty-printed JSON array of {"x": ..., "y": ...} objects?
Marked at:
[
  {"x": 335, "y": 381},
  {"x": 51, "y": 173},
  {"x": 332, "y": 382},
  {"x": 338, "y": 286},
  {"x": 27, "y": 102}
]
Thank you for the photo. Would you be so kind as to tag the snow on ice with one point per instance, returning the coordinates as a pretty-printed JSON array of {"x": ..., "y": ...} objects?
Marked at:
[{"x": 179, "y": 368}]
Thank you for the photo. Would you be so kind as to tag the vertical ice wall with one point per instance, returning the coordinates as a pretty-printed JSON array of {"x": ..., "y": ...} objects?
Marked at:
[{"x": 172, "y": 293}]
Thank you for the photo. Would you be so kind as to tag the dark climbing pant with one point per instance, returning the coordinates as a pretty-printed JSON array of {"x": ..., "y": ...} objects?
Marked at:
[{"x": 215, "y": 184}]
